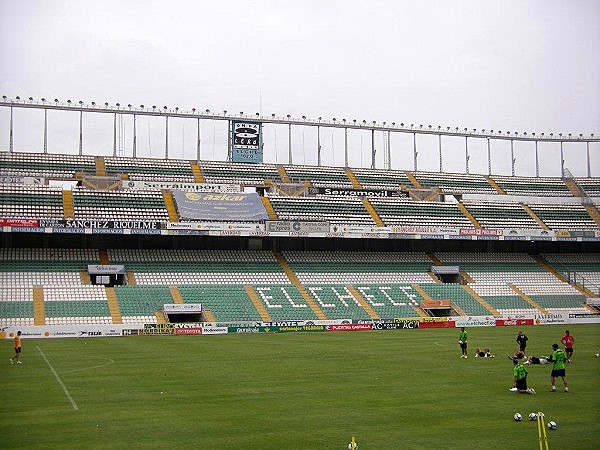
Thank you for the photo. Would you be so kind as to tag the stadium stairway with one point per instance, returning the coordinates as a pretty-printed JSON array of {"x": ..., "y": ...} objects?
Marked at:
[
  {"x": 170, "y": 205},
  {"x": 176, "y": 295},
  {"x": 209, "y": 316},
  {"x": 103, "y": 257},
  {"x": 370, "y": 311},
  {"x": 480, "y": 299},
  {"x": 414, "y": 180},
  {"x": 100, "y": 167},
  {"x": 270, "y": 211},
  {"x": 355, "y": 183},
  {"x": 534, "y": 216},
  {"x": 372, "y": 212},
  {"x": 294, "y": 280},
  {"x": 593, "y": 212},
  {"x": 198, "y": 177},
  {"x": 39, "y": 311},
  {"x": 160, "y": 316},
  {"x": 495, "y": 186},
  {"x": 85, "y": 277},
  {"x": 527, "y": 298},
  {"x": 283, "y": 174},
  {"x": 130, "y": 278},
  {"x": 468, "y": 215},
  {"x": 68, "y": 208},
  {"x": 264, "y": 315},
  {"x": 420, "y": 311},
  {"x": 113, "y": 305}
]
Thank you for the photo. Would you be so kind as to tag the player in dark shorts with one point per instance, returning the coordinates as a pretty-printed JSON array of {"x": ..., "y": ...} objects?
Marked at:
[
  {"x": 522, "y": 340},
  {"x": 462, "y": 341},
  {"x": 520, "y": 379},
  {"x": 535, "y": 360},
  {"x": 558, "y": 357},
  {"x": 567, "y": 341},
  {"x": 17, "y": 349}
]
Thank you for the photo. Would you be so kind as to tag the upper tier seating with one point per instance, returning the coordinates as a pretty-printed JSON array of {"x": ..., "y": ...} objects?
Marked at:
[
  {"x": 119, "y": 205},
  {"x": 571, "y": 216},
  {"x": 381, "y": 179},
  {"x": 45, "y": 165},
  {"x": 319, "y": 176},
  {"x": 405, "y": 212},
  {"x": 500, "y": 214},
  {"x": 31, "y": 202},
  {"x": 238, "y": 173},
  {"x": 151, "y": 169},
  {"x": 533, "y": 186},
  {"x": 455, "y": 182},
  {"x": 591, "y": 186},
  {"x": 322, "y": 208}
]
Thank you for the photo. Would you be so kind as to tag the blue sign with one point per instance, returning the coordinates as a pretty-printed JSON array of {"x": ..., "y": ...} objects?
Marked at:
[{"x": 246, "y": 142}]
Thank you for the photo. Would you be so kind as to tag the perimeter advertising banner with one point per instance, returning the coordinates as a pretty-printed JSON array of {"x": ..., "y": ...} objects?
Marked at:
[{"x": 246, "y": 142}]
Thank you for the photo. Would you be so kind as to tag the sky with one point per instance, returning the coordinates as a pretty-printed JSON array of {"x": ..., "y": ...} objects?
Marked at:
[{"x": 524, "y": 66}]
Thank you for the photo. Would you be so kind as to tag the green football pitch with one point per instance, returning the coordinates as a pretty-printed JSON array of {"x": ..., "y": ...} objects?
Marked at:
[{"x": 390, "y": 389}]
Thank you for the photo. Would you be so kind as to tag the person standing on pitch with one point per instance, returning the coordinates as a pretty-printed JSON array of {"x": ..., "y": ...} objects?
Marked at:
[
  {"x": 567, "y": 340},
  {"x": 522, "y": 340},
  {"x": 520, "y": 379},
  {"x": 17, "y": 349},
  {"x": 558, "y": 357},
  {"x": 462, "y": 341}
]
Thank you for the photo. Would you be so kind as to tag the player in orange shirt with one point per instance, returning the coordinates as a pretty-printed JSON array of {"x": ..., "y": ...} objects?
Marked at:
[
  {"x": 567, "y": 341},
  {"x": 17, "y": 349}
]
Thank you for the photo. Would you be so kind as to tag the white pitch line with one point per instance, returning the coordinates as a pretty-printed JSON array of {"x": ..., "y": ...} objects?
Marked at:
[{"x": 75, "y": 407}]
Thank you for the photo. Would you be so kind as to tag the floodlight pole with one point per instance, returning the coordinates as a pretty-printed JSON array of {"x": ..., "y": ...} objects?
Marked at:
[
  {"x": 134, "y": 151},
  {"x": 489, "y": 151},
  {"x": 373, "y": 148},
  {"x": 440, "y": 150},
  {"x": 115, "y": 137},
  {"x": 589, "y": 172},
  {"x": 467, "y": 154},
  {"x": 10, "y": 141},
  {"x": 415, "y": 153},
  {"x": 346, "y": 147},
  {"x": 198, "y": 142},
  {"x": 389, "y": 149},
  {"x": 562, "y": 161},
  {"x": 537, "y": 161},
  {"x": 290, "y": 143},
  {"x": 80, "y": 133},
  {"x": 512, "y": 157},
  {"x": 45, "y": 130},
  {"x": 166, "y": 137},
  {"x": 319, "y": 145},
  {"x": 229, "y": 142}
]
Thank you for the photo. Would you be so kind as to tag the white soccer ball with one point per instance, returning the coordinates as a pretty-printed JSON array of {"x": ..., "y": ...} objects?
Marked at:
[
  {"x": 552, "y": 425},
  {"x": 517, "y": 417},
  {"x": 532, "y": 416}
]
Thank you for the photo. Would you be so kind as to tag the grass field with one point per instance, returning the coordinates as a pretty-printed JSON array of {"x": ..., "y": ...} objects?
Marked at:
[{"x": 391, "y": 389}]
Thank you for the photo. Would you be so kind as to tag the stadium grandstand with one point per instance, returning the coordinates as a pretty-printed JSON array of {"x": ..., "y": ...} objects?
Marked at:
[{"x": 257, "y": 241}]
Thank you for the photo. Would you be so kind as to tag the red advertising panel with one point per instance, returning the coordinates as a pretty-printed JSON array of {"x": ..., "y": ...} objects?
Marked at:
[
  {"x": 186, "y": 331},
  {"x": 19, "y": 223},
  {"x": 448, "y": 324},
  {"x": 349, "y": 327},
  {"x": 513, "y": 322}
]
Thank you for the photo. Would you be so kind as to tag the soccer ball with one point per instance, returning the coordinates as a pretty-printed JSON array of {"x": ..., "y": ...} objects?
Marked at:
[
  {"x": 517, "y": 417},
  {"x": 552, "y": 425},
  {"x": 532, "y": 416}
]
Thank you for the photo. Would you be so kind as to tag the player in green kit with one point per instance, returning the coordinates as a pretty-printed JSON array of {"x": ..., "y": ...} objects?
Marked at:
[
  {"x": 462, "y": 341},
  {"x": 558, "y": 359},
  {"x": 520, "y": 379}
]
